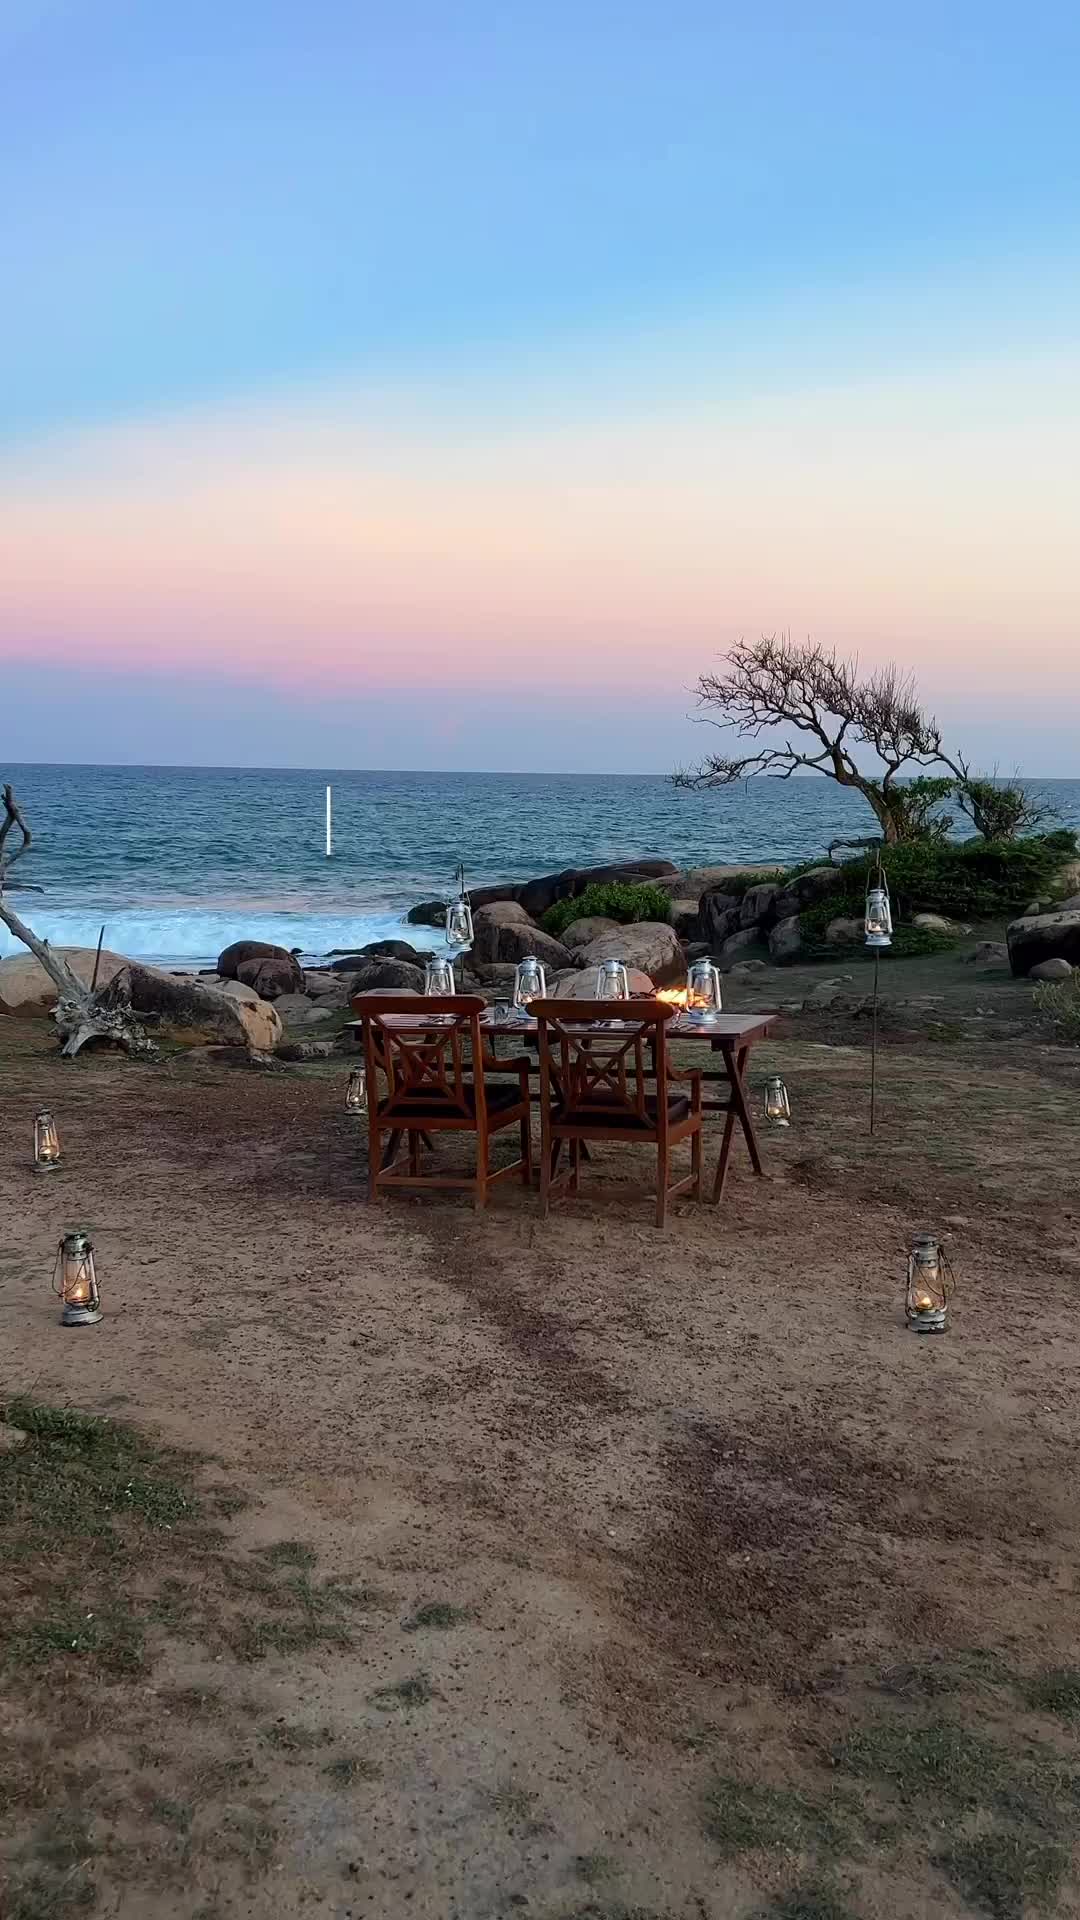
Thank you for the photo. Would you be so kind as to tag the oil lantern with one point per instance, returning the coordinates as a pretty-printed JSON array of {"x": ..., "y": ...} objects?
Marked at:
[
  {"x": 46, "y": 1143},
  {"x": 439, "y": 976},
  {"x": 356, "y": 1092},
  {"x": 459, "y": 921},
  {"x": 611, "y": 981},
  {"x": 76, "y": 1280},
  {"x": 703, "y": 995},
  {"x": 530, "y": 982},
  {"x": 878, "y": 919},
  {"x": 929, "y": 1286},
  {"x": 777, "y": 1104}
]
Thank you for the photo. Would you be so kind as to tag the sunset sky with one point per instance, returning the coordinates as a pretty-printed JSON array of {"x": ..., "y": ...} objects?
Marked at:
[{"x": 446, "y": 385}]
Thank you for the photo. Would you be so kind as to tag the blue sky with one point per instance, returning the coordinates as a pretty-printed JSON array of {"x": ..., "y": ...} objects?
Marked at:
[{"x": 508, "y": 217}]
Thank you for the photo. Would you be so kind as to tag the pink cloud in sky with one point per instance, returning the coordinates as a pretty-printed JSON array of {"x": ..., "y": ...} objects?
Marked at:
[{"x": 323, "y": 543}]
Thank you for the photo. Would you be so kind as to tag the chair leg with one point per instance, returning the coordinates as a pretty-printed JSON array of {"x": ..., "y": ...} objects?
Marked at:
[
  {"x": 547, "y": 1167},
  {"x": 414, "y": 1152},
  {"x": 480, "y": 1193},
  {"x": 575, "y": 1165},
  {"x": 696, "y": 1158},
  {"x": 526, "y": 1152},
  {"x": 661, "y": 1186}
]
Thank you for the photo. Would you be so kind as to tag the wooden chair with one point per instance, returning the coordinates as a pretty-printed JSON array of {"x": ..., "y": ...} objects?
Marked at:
[
  {"x": 594, "y": 1085},
  {"x": 433, "y": 1084}
]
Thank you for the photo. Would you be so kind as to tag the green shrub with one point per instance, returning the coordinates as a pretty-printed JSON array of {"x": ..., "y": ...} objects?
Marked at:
[
  {"x": 908, "y": 942},
  {"x": 615, "y": 899},
  {"x": 973, "y": 879},
  {"x": 1057, "y": 1008}
]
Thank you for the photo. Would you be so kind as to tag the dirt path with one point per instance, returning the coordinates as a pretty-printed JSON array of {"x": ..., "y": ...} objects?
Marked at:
[{"x": 682, "y": 1504}]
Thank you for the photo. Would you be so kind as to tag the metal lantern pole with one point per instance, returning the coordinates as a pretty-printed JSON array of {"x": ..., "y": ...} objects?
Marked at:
[
  {"x": 873, "y": 1047},
  {"x": 878, "y": 928}
]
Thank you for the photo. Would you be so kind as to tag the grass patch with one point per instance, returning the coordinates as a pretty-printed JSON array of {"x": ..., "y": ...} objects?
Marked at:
[
  {"x": 1003, "y": 1872},
  {"x": 1056, "y": 1691},
  {"x": 740, "y": 1816},
  {"x": 941, "y": 1675},
  {"x": 293, "y": 1739},
  {"x": 348, "y": 1768},
  {"x": 813, "y": 1900},
  {"x": 172, "y": 1813},
  {"x": 289, "y": 1553},
  {"x": 44, "y": 1896},
  {"x": 438, "y": 1613},
  {"x": 594, "y": 1868},
  {"x": 416, "y": 1691},
  {"x": 511, "y": 1801},
  {"x": 113, "y": 1641},
  {"x": 939, "y": 1760}
]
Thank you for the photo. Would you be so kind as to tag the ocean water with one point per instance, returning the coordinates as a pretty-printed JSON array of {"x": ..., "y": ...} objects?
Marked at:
[{"x": 177, "y": 862}]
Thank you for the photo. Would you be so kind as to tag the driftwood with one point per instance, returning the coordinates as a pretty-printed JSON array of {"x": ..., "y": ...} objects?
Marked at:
[{"x": 80, "y": 1014}]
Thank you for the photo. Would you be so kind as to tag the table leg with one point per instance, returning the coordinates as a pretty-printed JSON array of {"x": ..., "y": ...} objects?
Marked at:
[{"x": 738, "y": 1110}]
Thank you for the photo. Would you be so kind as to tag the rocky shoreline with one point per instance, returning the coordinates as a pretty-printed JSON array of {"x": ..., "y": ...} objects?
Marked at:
[{"x": 749, "y": 918}]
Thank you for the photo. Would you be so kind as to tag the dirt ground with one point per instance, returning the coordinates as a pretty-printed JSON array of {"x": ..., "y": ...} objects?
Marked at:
[{"x": 683, "y": 1580}]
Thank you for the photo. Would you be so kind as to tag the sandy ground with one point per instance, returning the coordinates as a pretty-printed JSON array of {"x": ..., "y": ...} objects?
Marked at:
[{"x": 694, "y": 1493}]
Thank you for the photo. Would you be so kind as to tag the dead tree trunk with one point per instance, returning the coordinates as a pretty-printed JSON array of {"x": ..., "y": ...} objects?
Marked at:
[{"x": 80, "y": 1015}]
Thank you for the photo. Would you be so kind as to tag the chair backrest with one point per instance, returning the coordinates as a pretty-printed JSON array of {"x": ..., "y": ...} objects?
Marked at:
[
  {"x": 425, "y": 1066},
  {"x": 596, "y": 1071}
]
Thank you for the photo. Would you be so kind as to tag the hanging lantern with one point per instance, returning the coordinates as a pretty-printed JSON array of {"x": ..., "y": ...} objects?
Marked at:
[
  {"x": 439, "y": 976},
  {"x": 76, "y": 1281},
  {"x": 46, "y": 1143},
  {"x": 703, "y": 995},
  {"x": 777, "y": 1104},
  {"x": 356, "y": 1092},
  {"x": 459, "y": 922},
  {"x": 878, "y": 920},
  {"x": 611, "y": 981},
  {"x": 530, "y": 982},
  {"x": 929, "y": 1286}
]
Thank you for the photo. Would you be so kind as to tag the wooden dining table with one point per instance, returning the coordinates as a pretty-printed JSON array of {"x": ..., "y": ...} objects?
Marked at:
[{"x": 732, "y": 1036}]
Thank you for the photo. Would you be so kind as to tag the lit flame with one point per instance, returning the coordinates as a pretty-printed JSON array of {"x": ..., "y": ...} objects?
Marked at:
[{"x": 674, "y": 996}]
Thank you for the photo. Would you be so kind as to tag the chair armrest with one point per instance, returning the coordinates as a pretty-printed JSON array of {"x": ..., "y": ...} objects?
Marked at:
[
  {"x": 684, "y": 1073},
  {"x": 490, "y": 1063}
]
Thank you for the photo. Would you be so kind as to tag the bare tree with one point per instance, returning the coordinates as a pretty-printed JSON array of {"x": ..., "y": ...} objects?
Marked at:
[
  {"x": 80, "y": 1015},
  {"x": 776, "y": 683}
]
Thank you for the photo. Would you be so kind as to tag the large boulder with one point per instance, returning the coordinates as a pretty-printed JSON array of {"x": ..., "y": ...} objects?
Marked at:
[
  {"x": 785, "y": 939},
  {"x": 394, "y": 976},
  {"x": 685, "y": 918},
  {"x": 197, "y": 1013},
  {"x": 1044, "y": 936},
  {"x": 581, "y": 932},
  {"x": 719, "y": 913},
  {"x": 990, "y": 953},
  {"x": 1051, "y": 970},
  {"x": 694, "y": 881},
  {"x": 504, "y": 933},
  {"x": 844, "y": 932},
  {"x": 536, "y": 896},
  {"x": 651, "y": 946},
  {"x": 737, "y": 945},
  {"x": 26, "y": 989},
  {"x": 234, "y": 957},
  {"x": 581, "y": 985},
  {"x": 758, "y": 905},
  {"x": 808, "y": 888},
  {"x": 376, "y": 949},
  {"x": 269, "y": 979}
]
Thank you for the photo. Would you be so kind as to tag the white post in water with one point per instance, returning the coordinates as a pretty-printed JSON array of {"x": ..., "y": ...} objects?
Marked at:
[{"x": 329, "y": 826}]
